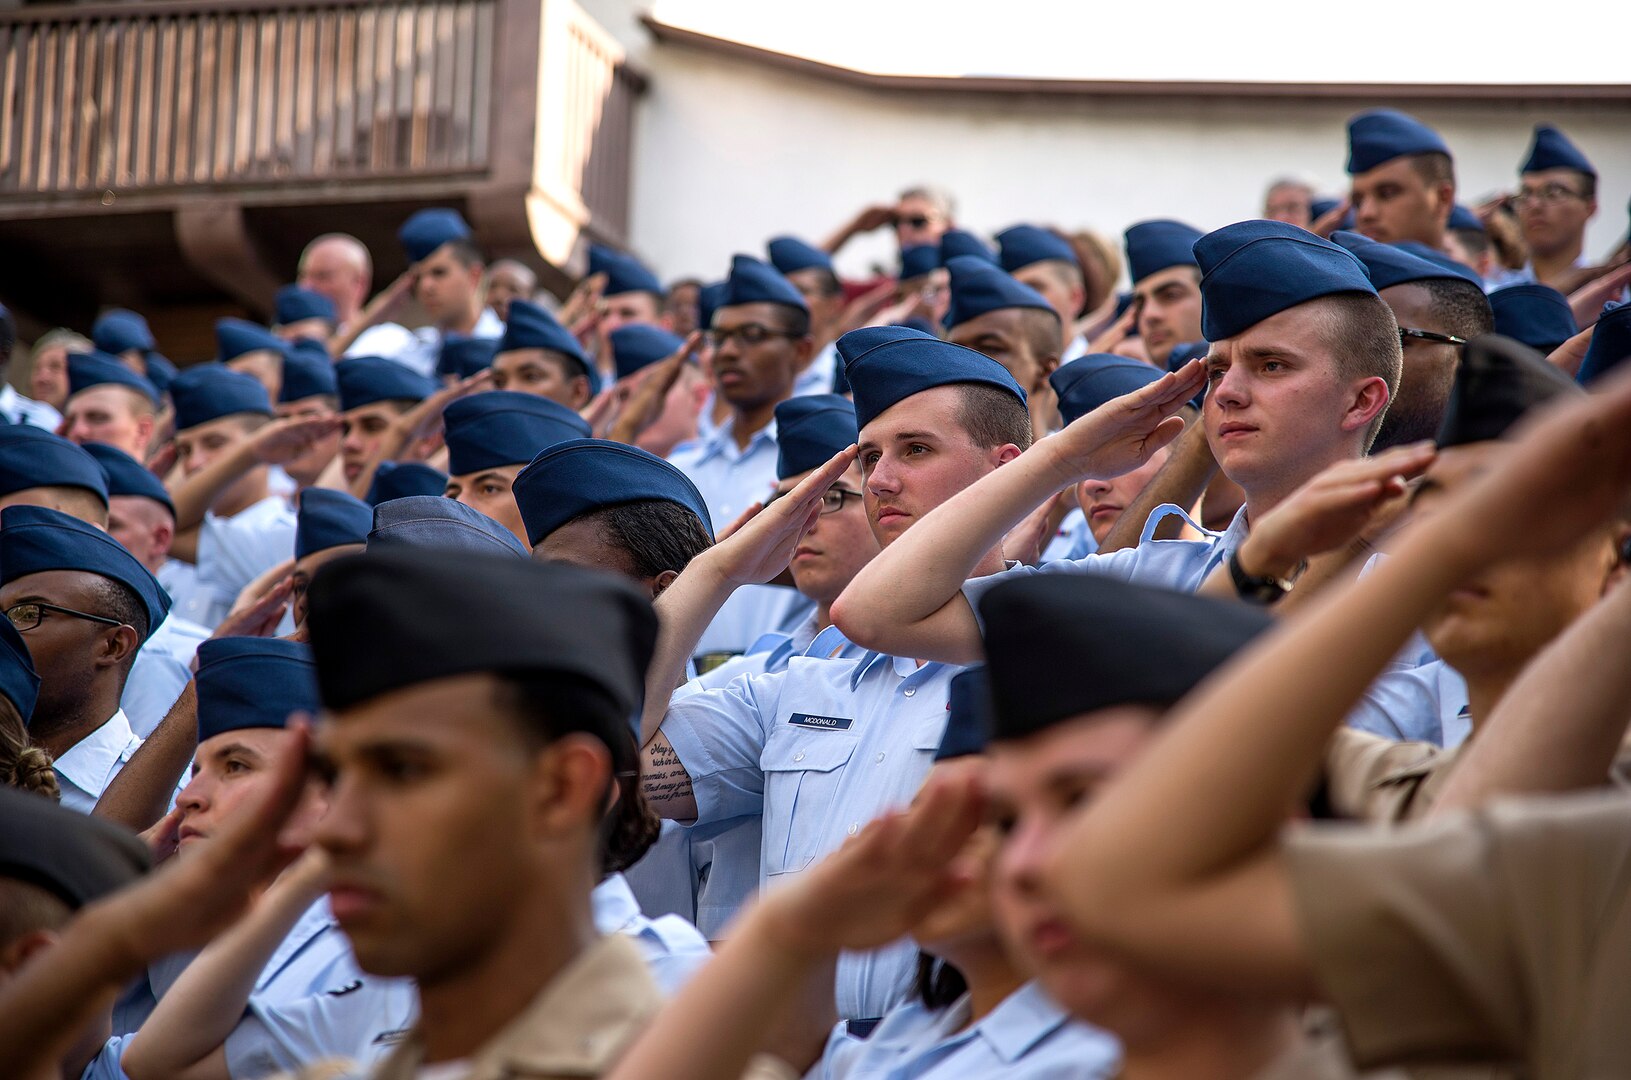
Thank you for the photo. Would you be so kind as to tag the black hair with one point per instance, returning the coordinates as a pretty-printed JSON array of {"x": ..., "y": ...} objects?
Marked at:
[
  {"x": 466, "y": 252},
  {"x": 1434, "y": 167},
  {"x": 8, "y": 337},
  {"x": 655, "y": 534},
  {"x": 116, "y": 600},
  {"x": 796, "y": 321},
  {"x": 938, "y": 984},
  {"x": 1459, "y": 307},
  {"x": 830, "y": 285}
]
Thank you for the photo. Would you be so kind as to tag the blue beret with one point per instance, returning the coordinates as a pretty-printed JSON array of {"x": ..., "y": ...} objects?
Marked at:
[
  {"x": 709, "y": 299},
  {"x": 1183, "y": 354},
  {"x": 1537, "y": 315},
  {"x": 365, "y": 380},
  {"x": 462, "y": 356},
  {"x": 504, "y": 427},
  {"x": 1022, "y": 245},
  {"x": 206, "y": 392},
  {"x": 968, "y": 715},
  {"x": 294, "y": 304},
  {"x": 955, "y": 242},
  {"x": 34, "y": 539},
  {"x": 1391, "y": 265},
  {"x": 887, "y": 364},
  {"x": 438, "y": 524},
  {"x": 789, "y": 255},
  {"x": 1610, "y": 343},
  {"x": 1254, "y": 269},
  {"x": 531, "y": 327},
  {"x": 19, "y": 682},
  {"x": 917, "y": 260},
  {"x": 1497, "y": 381},
  {"x": 253, "y": 682},
  {"x": 1551, "y": 149},
  {"x": 639, "y": 345},
  {"x": 1462, "y": 219},
  {"x": 160, "y": 372},
  {"x": 119, "y": 330},
  {"x": 1153, "y": 246},
  {"x": 574, "y": 478},
  {"x": 127, "y": 476},
  {"x": 1380, "y": 135},
  {"x": 428, "y": 230},
  {"x": 32, "y": 457},
  {"x": 755, "y": 282},
  {"x": 308, "y": 371},
  {"x": 977, "y": 287},
  {"x": 1091, "y": 380},
  {"x": 97, "y": 368},
  {"x": 234, "y": 337},
  {"x": 401, "y": 479},
  {"x": 624, "y": 273},
  {"x": 810, "y": 430},
  {"x": 329, "y": 518}
]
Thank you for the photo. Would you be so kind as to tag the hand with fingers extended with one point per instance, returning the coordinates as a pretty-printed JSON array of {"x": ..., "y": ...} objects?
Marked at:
[
  {"x": 286, "y": 438},
  {"x": 1113, "y": 336},
  {"x": 649, "y": 393},
  {"x": 163, "y": 836},
  {"x": 867, "y": 309},
  {"x": 1330, "y": 221},
  {"x": 1596, "y": 287},
  {"x": 1026, "y": 541},
  {"x": 261, "y": 616},
  {"x": 424, "y": 420},
  {"x": 581, "y": 312},
  {"x": 761, "y": 547},
  {"x": 1120, "y": 435}
]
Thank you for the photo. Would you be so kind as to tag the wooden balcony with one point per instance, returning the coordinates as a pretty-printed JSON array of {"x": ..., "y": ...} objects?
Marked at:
[{"x": 164, "y": 152}]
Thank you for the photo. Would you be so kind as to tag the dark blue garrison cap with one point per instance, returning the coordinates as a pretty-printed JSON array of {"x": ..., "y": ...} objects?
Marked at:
[
  {"x": 34, "y": 539},
  {"x": 1254, "y": 269},
  {"x": 887, "y": 364},
  {"x": 639, "y": 345},
  {"x": 977, "y": 287},
  {"x": 1610, "y": 343},
  {"x": 624, "y": 273},
  {"x": 1022, "y": 245},
  {"x": 789, "y": 255},
  {"x": 294, "y": 304},
  {"x": 502, "y": 427},
  {"x": 252, "y": 682},
  {"x": 1320, "y": 207},
  {"x": 206, "y": 392},
  {"x": 33, "y": 457},
  {"x": 428, "y": 230},
  {"x": 72, "y": 856},
  {"x": 918, "y": 260},
  {"x": 19, "y": 682},
  {"x": 955, "y": 242},
  {"x": 127, "y": 476},
  {"x": 1183, "y": 354},
  {"x": 1496, "y": 383},
  {"x": 1153, "y": 246},
  {"x": 810, "y": 430},
  {"x": 307, "y": 372},
  {"x": 531, "y": 327},
  {"x": 1462, "y": 219},
  {"x": 329, "y": 518},
  {"x": 709, "y": 300},
  {"x": 234, "y": 337},
  {"x": 438, "y": 524},
  {"x": 968, "y": 715},
  {"x": 755, "y": 282},
  {"x": 463, "y": 356},
  {"x": 1390, "y": 265},
  {"x": 1537, "y": 315},
  {"x": 160, "y": 372},
  {"x": 119, "y": 330},
  {"x": 1091, "y": 380},
  {"x": 401, "y": 479},
  {"x": 1439, "y": 258},
  {"x": 1378, "y": 136},
  {"x": 575, "y": 478},
  {"x": 97, "y": 368},
  {"x": 364, "y": 380},
  {"x": 1551, "y": 149}
]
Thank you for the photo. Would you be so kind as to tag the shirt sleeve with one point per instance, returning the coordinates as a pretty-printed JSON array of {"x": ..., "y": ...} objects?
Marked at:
[
  {"x": 233, "y": 552},
  {"x": 1370, "y": 778},
  {"x": 359, "y": 1026},
  {"x": 1115, "y": 563},
  {"x": 719, "y": 736}
]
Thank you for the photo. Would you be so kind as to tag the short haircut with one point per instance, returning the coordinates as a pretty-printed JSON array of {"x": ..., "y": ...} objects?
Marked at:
[
  {"x": 81, "y": 503},
  {"x": 1476, "y": 241},
  {"x": 356, "y": 251},
  {"x": 116, "y": 600},
  {"x": 655, "y": 534},
  {"x": 1588, "y": 184},
  {"x": 1363, "y": 336},
  {"x": 62, "y": 336},
  {"x": 993, "y": 417},
  {"x": 1460, "y": 307},
  {"x": 1044, "y": 331},
  {"x": 796, "y": 321},
  {"x": 26, "y": 908},
  {"x": 1064, "y": 271},
  {"x": 830, "y": 285},
  {"x": 466, "y": 252},
  {"x": 941, "y": 198},
  {"x": 1434, "y": 168}
]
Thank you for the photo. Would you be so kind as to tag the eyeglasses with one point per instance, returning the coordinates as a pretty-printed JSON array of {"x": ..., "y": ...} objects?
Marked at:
[
  {"x": 28, "y": 616},
  {"x": 749, "y": 335},
  {"x": 916, "y": 221},
  {"x": 1550, "y": 195},
  {"x": 1406, "y": 334},
  {"x": 831, "y": 502}
]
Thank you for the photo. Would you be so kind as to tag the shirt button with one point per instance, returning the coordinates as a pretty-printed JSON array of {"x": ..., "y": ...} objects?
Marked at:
[
  {"x": 909, "y": 691},
  {"x": 799, "y": 756},
  {"x": 880, "y": 757},
  {"x": 853, "y": 827}
]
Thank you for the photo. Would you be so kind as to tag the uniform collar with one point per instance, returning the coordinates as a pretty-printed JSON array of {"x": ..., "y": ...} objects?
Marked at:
[
  {"x": 90, "y": 762},
  {"x": 720, "y": 442},
  {"x": 1023, "y": 1019},
  {"x": 613, "y": 905},
  {"x": 316, "y": 920},
  {"x": 832, "y": 644}
]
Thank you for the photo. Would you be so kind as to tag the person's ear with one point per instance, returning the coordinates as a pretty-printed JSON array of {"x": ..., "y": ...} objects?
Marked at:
[
  {"x": 578, "y": 390},
  {"x": 144, "y": 427},
  {"x": 803, "y": 349},
  {"x": 120, "y": 644},
  {"x": 1003, "y": 454},
  {"x": 19, "y": 950},
  {"x": 570, "y": 779},
  {"x": 1370, "y": 398},
  {"x": 662, "y": 581}
]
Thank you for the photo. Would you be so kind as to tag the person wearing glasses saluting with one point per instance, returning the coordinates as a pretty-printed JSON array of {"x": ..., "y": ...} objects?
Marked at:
[{"x": 920, "y": 215}]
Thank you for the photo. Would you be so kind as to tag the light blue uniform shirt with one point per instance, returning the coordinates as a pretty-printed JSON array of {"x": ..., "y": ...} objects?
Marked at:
[
  {"x": 161, "y": 670},
  {"x": 86, "y": 769},
  {"x": 232, "y": 552},
  {"x": 673, "y": 949},
  {"x": 817, "y": 376},
  {"x": 1027, "y": 1035},
  {"x": 1427, "y": 703},
  {"x": 18, "y": 409},
  {"x": 818, "y": 750},
  {"x": 1072, "y": 540}
]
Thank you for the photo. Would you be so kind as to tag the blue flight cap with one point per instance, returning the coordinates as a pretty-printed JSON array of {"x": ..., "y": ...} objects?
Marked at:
[
  {"x": 755, "y": 282},
  {"x": 1378, "y": 136},
  {"x": 887, "y": 364},
  {"x": 639, "y": 345},
  {"x": 624, "y": 273},
  {"x": 34, "y": 539},
  {"x": 428, "y": 230},
  {"x": 119, "y": 330},
  {"x": 789, "y": 255},
  {"x": 97, "y": 368},
  {"x": 1440, "y": 259},
  {"x": 1254, "y": 269},
  {"x": 1091, "y": 380},
  {"x": 1537, "y": 315},
  {"x": 439, "y": 524},
  {"x": 160, "y": 372},
  {"x": 462, "y": 356},
  {"x": 810, "y": 430},
  {"x": 127, "y": 476},
  {"x": 294, "y": 304},
  {"x": 1610, "y": 343},
  {"x": 918, "y": 260},
  {"x": 1183, "y": 354},
  {"x": 365, "y": 380},
  {"x": 1318, "y": 208},
  {"x": 503, "y": 427},
  {"x": 531, "y": 327},
  {"x": 329, "y": 518},
  {"x": 968, "y": 715},
  {"x": 574, "y": 478},
  {"x": 235, "y": 337},
  {"x": 1496, "y": 383},
  {"x": 19, "y": 682},
  {"x": 977, "y": 287},
  {"x": 32, "y": 457},
  {"x": 709, "y": 299},
  {"x": 206, "y": 392},
  {"x": 1462, "y": 219},
  {"x": 1391, "y": 265},
  {"x": 955, "y": 242},
  {"x": 1551, "y": 149},
  {"x": 253, "y": 682},
  {"x": 1022, "y": 245},
  {"x": 401, "y": 479},
  {"x": 1153, "y": 246},
  {"x": 308, "y": 371}
]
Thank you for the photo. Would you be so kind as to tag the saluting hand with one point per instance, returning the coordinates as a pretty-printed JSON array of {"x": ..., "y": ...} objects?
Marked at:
[
  {"x": 649, "y": 392},
  {"x": 761, "y": 547},
  {"x": 281, "y": 441},
  {"x": 1120, "y": 435}
]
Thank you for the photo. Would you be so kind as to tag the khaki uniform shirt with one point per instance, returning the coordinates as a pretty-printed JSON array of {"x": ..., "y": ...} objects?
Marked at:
[
  {"x": 1369, "y": 778},
  {"x": 1499, "y": 937}
]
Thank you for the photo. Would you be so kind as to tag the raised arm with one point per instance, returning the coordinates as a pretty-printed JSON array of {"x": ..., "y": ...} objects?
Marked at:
[
  {"x": 141, "y": 792},
  {"x": 1181, "y": 481}
]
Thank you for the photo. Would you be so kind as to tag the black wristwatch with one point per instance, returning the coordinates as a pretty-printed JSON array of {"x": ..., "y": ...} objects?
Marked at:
[{"x": 1260, "y": 590}]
